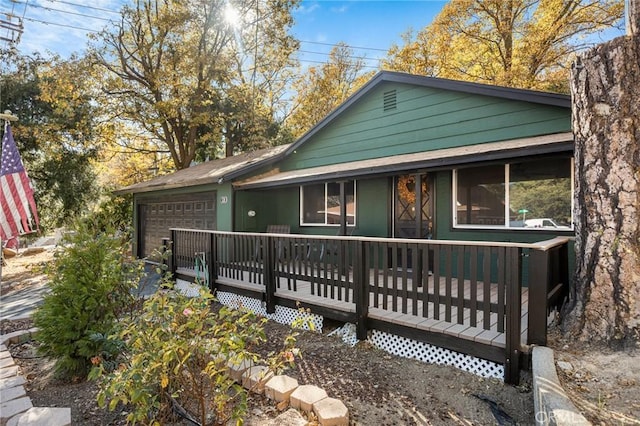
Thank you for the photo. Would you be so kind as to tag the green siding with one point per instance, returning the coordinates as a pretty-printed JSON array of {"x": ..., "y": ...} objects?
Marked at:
[
  {"x": 272, "y": 207},
  {"x": 282, "y": 206},
  {"x": 225, "y": 210},
  {"x": 425, "y": 119},
  {"x": 373, "y": 207}
]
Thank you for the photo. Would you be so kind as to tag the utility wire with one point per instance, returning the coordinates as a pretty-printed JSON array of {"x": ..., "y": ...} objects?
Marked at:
[
  {"x": 88, "y": 30},
  {"x": 335, "y": 44},
  {"x": 82, "y": 5},
  {"x": 118, "y": 13},
  {"x": 61, "y": 25},
  {"x": 52, "y": 9}
]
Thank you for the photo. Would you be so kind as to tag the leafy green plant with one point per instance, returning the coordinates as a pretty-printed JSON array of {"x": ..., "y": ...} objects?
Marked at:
[
  {"x": 91, "y": 282},
  {"x": 178, "y": 354}
]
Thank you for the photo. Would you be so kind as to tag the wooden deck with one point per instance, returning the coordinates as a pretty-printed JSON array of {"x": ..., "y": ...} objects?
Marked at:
[
  {"x": 414, "y": 311},
  {"x": 485, "y": 299}
]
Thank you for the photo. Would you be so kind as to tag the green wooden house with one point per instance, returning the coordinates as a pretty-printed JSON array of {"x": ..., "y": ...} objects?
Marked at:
[
  {"x": 480, "y": 162},
  {"x": 420, "y": 207}
]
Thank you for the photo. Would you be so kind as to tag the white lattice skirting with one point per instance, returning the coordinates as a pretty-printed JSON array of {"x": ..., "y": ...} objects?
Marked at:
[
  {"x": 282, "y": 315},
  {"x": 425, "y": 352},
  {"x": 396, "y": 345}
]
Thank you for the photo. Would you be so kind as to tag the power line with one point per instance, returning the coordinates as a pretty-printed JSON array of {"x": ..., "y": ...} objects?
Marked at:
[
  {"x": 364, "y": 58},
  {"x": 85, "y": 6},
  {"x": 60, "y": 25},
  {"x": 52, "y": 9},
  {"x": 347, "y": 45},
  {"x": 118, "y": 13}
]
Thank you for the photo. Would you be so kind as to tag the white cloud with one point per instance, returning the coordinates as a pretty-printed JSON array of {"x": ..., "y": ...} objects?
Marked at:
[
  {"x": 305, "y": 10},
  {"x": 341, "y": 9}
]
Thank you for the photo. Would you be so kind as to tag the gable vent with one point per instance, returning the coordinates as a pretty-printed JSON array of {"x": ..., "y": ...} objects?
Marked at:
[{"x": 389, "y": 100}]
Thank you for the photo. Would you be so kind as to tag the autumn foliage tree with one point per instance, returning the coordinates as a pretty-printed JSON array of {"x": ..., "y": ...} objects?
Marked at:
[
  {"x": 57, "y": 132},
  {"x": 323, "y": 88},
  {"x": 519, "y": 43},
  {"x": 169, "y": 68}
]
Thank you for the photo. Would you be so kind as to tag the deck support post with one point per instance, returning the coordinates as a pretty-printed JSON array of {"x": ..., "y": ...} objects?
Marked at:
[
  {"x": 269, "y": 275},
  {"x": 538, "y": 304},
  {"x": 514, "y": 312},
  {"x": 213, "y": 255},
  {"x": 361, "y": 291}
]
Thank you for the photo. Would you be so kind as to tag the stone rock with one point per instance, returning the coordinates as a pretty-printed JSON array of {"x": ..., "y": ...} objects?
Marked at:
[
  {"x": 331, "y": 412},
  {"x": 280, "y": 388},
  {"x": 305, "y": 396}
]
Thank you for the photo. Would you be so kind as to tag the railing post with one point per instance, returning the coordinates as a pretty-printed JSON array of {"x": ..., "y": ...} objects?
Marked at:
[
  {"x": 269, "y": 275},
  {"x": 538, "y": 289},
  {"x": 361, "y": 290},
  {"x": 213, "y": 259},
  {"x": 513, "y": 312}
]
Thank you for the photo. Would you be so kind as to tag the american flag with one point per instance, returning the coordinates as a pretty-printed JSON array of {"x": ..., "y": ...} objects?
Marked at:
[{"x": 16, "y": 194}]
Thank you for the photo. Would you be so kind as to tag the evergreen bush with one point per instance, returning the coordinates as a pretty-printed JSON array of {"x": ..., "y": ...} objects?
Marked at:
[{"x": 91, "y": 282}]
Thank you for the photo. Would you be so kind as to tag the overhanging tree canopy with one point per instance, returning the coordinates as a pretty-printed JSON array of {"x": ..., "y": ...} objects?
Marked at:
[
  {"x": 171, "y": 68},
  {"x": 518, "y": 43}
]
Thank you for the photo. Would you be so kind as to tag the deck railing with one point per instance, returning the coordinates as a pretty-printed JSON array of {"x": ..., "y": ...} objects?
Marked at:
[{"x": 466, "y": 296}]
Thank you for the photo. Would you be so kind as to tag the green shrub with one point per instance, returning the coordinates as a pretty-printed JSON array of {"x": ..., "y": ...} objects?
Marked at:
[
  {"x": 91, "y": 282},
  {"x": 178, "y": 352}
]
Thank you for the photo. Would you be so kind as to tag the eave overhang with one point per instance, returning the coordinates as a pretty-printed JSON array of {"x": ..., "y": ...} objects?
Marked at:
[{"x": 426, "y": 160}]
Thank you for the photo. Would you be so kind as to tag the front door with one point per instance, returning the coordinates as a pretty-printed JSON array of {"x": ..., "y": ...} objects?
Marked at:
[{"x": 407, "y": 201}]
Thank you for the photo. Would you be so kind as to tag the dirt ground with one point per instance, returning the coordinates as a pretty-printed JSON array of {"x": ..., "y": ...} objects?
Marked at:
[{"x": 378, "y": 388}]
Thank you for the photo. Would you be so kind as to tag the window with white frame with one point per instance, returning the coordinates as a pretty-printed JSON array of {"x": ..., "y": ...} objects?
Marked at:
[
  {"x": 320, "y": 203},
  {"x": 535, "y": 194}
]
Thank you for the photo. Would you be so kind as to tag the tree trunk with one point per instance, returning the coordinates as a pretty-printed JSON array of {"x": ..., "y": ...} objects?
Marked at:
[{"x": 605, "y": 302}]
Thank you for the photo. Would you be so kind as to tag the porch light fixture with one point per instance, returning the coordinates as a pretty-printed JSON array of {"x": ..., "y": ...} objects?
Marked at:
[{"x": 251, "y": 213}]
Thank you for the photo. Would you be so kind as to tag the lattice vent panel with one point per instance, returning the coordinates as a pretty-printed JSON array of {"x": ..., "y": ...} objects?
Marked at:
[
  {"x": 282, "y": 315},
  {"x": 187, "y": 288},
  {"x": 425, "y": 352},
  {"x": 347, "y": 333}
]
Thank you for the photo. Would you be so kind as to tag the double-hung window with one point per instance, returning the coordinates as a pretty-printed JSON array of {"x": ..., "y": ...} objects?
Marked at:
[
  {"x": 320, "y": 203},
  {"x": 525, "y": 194}
]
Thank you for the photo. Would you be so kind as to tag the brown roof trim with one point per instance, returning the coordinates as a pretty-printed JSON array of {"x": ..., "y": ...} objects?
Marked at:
[{"x": 216, "y": 171}]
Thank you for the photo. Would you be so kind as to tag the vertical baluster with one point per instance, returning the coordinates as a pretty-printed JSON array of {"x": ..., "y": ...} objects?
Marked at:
[
  {"x": 436, "y": 282},
  {"x": 394, "y": 275},
  {"x": 448, "y": 281},
  {"x": 374, "y": 252},
  {"x": 486, "y": 287},
  {"x": 425, "y": 280},
  {"x": 415, "y": 277},
  {"x": 461, "y": 283},
  {"x": 404, "y": 277},
  {"x": 473, "y": 291},
  {"x": 386, "y": 250},
  {"x": 501, "y": 263}
]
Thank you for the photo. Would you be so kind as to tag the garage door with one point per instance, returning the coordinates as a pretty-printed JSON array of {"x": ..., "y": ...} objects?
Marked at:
[{"x": 157, "y": 216}]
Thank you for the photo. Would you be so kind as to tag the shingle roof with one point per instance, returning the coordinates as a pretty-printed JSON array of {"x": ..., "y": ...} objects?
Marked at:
[
  {"x": 447, "y": 157},
  {"x": 214, "y": 171}
]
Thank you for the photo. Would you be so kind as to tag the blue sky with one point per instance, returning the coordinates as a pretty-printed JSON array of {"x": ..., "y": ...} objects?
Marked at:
[
  {"x": 370, "y": 26},
  {"x": 61, "y": 26}
]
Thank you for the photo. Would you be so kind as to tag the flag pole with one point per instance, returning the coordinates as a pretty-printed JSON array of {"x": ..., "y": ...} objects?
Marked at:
[{"x": 7, "y": 116}]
